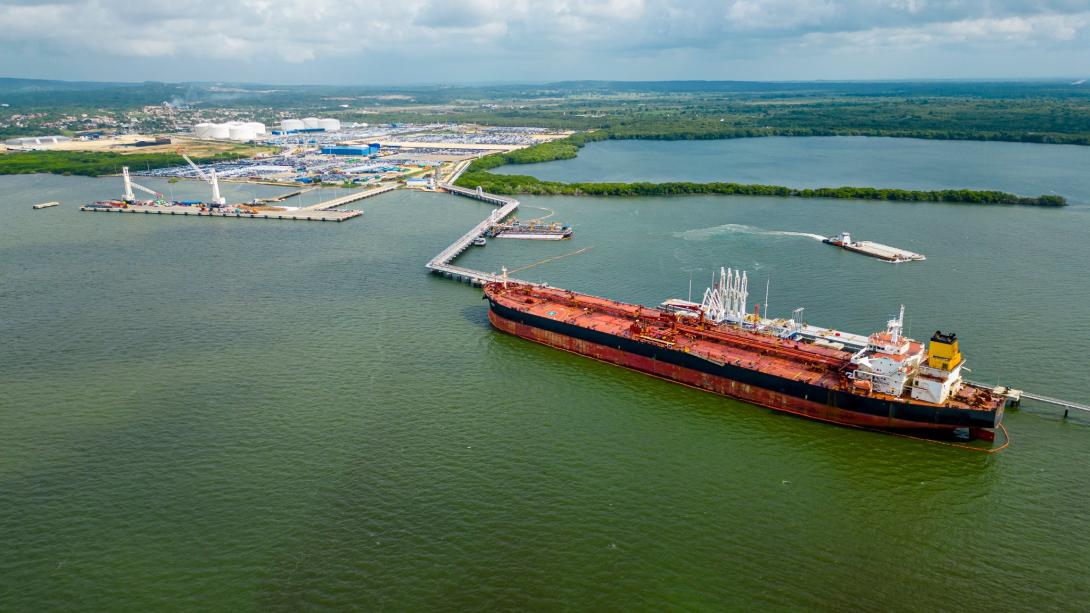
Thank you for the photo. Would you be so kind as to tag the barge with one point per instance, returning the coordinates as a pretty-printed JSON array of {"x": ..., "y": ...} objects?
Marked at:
[
  {"x": 531, "y": 230},
  {"x": 874, "y": 250}
]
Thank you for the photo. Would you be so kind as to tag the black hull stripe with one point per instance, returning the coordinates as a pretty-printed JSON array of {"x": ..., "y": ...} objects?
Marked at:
[{"x": 842, "y": 400}]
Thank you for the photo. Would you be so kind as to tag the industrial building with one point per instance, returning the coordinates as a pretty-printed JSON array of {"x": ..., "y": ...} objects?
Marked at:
[
  {"x": 308, "y": 124},
  {"x": 231, "y": 130}
]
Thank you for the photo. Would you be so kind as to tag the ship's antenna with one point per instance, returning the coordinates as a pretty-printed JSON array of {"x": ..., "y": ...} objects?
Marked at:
[
  {"x": 690, "y": 285},
  {"x": 504, "y": 269}
]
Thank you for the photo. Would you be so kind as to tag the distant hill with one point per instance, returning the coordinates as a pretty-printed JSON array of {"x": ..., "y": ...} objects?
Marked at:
[{"x": 14, "y": 85}]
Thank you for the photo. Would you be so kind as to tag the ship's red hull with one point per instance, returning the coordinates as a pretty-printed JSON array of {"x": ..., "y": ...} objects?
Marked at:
[{"x": 714, "y": 383}]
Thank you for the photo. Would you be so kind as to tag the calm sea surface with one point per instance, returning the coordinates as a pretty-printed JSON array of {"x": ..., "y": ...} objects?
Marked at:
[
  {"x": 1026, "y": 169},
  {"x": 257, "y": 415}
]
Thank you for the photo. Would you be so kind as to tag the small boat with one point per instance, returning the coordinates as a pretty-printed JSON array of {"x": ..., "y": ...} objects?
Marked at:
[
  {"x": 480, "y": 241},
  {"x": 46, "y": 205}
]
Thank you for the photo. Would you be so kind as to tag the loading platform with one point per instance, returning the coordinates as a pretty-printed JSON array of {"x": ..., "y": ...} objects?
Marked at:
[{"x": 443, "y": 263}]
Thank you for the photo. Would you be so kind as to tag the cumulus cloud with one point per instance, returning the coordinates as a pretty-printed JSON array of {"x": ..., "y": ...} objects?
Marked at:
[
  {"x": 268, "y": 33},
  {"x": 1004, "y": 31}
]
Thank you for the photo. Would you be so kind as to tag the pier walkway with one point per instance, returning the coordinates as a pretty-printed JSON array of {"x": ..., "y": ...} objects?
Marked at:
[
  {"x": 443, "y": 263},
  {"x": 1066, "y": 404},
  {"x": 336, "y": 202}
]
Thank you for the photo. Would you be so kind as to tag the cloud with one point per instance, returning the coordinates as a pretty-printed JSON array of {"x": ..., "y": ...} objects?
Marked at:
[
  {"x": 995, "y": 31},
  {"x": 487, "y": 39}
]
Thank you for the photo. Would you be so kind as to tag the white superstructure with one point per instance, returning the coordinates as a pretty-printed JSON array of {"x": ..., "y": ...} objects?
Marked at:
[{"x": 890, "y": 360}]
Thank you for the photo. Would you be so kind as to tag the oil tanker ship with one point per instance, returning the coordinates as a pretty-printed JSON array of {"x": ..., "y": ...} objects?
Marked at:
[{"x": 883, "y": 381}]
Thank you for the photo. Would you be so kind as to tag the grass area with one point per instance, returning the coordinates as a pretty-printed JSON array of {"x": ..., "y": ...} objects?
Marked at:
[{"x": 477, "y": 175}]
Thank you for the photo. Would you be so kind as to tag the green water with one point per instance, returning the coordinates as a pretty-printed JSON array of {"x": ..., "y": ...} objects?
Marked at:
[
  {"x": 1027, "y": 169},
  {"x": 256, "y": 415}
]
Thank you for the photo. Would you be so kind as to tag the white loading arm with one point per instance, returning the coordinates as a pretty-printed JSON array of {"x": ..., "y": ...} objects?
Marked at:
[
  {"x": 128, "y": 196},
  {"x": 211, "y": 180}
]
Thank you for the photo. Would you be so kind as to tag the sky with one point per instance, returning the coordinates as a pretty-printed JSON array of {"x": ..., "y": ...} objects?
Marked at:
[{"x": 376, "y": 42}]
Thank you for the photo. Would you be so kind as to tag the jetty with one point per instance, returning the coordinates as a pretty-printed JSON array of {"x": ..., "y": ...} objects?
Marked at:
[
  {"x": 443, "y": 263},
  {"x": 283, "y": 197},
  {"x": 45, "y": 205},
  {"x": 195, "y": 211},
  {"x": 353, "y": 197}
]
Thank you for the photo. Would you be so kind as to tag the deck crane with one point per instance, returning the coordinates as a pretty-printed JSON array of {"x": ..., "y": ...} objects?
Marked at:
[
  {"x": 128, "y": 196},
  {"x": 209, "y": 179}
]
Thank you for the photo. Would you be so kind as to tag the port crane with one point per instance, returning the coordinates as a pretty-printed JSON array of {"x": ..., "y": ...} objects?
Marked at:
[
  {"x": 129, "y": 196},
  {"x": 209, "y": 178}
]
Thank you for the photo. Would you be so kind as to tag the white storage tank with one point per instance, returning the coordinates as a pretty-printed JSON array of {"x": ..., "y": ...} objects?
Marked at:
[
  {"x": 202, "y": 130},
  {"x": 310, "y": 122},
  {"x": 243, "y": 132},
  {"x": 219, "y": 130},
  {"x": 291, "y": 124},
  {"x": 256, "y": 126},
  {"x": 329, "y": 125}
]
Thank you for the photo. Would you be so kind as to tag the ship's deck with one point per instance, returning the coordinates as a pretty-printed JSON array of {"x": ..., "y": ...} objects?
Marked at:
[{"x": 802, "y": 361}]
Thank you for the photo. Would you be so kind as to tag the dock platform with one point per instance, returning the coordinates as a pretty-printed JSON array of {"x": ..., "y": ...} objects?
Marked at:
[{"x": 294, "y": 215}]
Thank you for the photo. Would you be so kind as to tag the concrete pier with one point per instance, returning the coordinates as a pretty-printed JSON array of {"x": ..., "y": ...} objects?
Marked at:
[
  {"x": 343, "y": 200},
  {"x": 296, "y": 215}
]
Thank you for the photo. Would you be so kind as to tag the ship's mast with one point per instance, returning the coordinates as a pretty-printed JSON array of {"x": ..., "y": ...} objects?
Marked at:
[{"x": 896, "y": 326}]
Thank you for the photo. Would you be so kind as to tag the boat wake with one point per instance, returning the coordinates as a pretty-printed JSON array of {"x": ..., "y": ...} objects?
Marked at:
[{"x": 703, "y": 234}]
